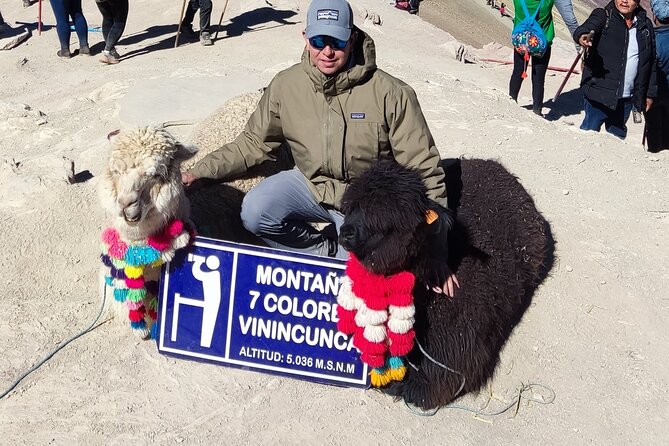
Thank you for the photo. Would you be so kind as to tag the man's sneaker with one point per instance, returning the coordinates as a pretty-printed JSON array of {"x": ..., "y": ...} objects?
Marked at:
[
  {"x": 108, "y": 58},
  {"x": 65, "y": 54},
  {"x": 205, "y": 39},
  {"x": 85, "y": 50}
]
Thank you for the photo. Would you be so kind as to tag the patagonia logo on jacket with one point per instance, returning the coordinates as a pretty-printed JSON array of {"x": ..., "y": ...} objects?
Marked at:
[{"x": 357, "y": 116}]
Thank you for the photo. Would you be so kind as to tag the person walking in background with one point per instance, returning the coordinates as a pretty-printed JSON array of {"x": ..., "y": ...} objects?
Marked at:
[
  {"x": 657, "y": 117},
  {"x": 63, "y": 10},
  {"x": 539, "y": 64},
  {"x": 566, "y": 10},
  {"x": 114, "y": 15},
  {"x": 618, "y": 65},
  {"x": 205, "y": 8}
]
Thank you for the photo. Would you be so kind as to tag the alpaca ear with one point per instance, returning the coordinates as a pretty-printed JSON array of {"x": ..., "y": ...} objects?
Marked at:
[{"x": 184, "y": 152}]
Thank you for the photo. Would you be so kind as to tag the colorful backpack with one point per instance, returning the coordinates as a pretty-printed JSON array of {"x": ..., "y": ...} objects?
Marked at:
[{"x": 527, "y": 37}]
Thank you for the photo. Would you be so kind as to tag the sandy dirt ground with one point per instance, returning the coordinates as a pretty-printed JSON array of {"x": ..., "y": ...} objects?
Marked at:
[{"x": 596, "y": 332}]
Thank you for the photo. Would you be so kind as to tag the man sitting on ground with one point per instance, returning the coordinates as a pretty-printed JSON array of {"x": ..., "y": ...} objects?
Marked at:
[{"x": 337, "y": 113}]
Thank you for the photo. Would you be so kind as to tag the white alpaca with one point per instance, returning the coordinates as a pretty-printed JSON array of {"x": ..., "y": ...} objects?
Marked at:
[
  {"x": 141, "y": 187},
  {"x": 142, "y": 193},
  {"x": 141, "y": 184}
]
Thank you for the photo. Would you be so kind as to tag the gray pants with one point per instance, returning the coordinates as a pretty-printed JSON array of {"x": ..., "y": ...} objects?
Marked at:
[{"x": 282, "y": 211}]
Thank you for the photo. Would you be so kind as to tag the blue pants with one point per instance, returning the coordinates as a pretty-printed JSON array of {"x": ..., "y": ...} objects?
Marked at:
[
  {"x": 63, "y": 10},
  {"x": 614, "y": 121},
  {"x": 279, "y": 211}
]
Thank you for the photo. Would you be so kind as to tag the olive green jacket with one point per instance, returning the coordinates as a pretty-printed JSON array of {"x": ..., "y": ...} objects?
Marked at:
[{"x": 335, "y": 127}]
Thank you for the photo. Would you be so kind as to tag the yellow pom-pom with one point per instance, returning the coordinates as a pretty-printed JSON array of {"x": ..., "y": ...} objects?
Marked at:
[
  {"x": 398, "y": 373},
  {"x": 380, "y": 379},
  {"x": 133, "y": 272},
  {"x": 158, "y": 263}
]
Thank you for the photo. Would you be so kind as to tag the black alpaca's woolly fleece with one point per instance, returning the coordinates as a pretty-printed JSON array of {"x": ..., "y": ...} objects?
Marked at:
[{"x": 500, "y": 248}]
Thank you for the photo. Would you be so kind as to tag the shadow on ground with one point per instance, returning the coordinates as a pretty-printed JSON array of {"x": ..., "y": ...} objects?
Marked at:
[
  {"x": 567, "y": 104},
  {"x": 247, "y": 21}
]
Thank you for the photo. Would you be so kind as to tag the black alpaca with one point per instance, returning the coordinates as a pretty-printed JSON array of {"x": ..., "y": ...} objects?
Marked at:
[{"x": 500, "y": 248}]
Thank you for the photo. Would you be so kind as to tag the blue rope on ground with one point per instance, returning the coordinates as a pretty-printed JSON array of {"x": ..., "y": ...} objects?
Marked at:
[
  {"x": 524, "y": 388},
  {"x": 516, "y": 402},
  {"x": 94, "y": 29},
  {"x": 57, "y": 349}
]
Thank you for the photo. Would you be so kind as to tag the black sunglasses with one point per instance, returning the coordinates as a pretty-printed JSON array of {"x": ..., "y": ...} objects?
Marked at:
[{"x": 320, "y": 42}]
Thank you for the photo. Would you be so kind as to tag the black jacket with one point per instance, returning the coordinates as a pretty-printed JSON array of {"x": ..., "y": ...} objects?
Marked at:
[{"x": 604, "y": 72}]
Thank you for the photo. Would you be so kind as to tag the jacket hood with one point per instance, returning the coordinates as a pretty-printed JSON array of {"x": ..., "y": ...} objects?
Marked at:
[{"x": 364, "y": 57}]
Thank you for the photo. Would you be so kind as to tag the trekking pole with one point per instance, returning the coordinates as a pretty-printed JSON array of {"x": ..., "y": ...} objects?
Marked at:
[
  {"x": 39, "y": 17},
  {"x": 181, "y": 17},
  {"x": 566, "y": 78},
  {"x": 225, "y": 5},
  {"x": 645, "y": 130}
]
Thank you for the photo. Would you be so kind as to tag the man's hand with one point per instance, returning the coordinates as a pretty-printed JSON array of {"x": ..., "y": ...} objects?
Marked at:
[
  {"x": 448, "y": 288},
  {"x": 188, "y": 179},
  {"x": 586, "y": 39}
]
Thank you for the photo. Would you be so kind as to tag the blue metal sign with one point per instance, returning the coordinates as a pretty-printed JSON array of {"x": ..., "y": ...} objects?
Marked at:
[{"x": 258, "y": 308}]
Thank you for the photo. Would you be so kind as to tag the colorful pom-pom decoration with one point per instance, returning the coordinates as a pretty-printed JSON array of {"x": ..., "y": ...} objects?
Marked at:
[
  {"x": 127, "y": 264},
  {"x": 379, "y": 312}
]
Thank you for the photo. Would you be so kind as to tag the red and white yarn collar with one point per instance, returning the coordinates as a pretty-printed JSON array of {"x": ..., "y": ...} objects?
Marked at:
[{"x": 378, "y": 311}]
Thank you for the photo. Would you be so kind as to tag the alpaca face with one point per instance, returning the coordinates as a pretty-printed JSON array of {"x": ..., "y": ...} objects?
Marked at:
[
  {"x": 386, "y": 248},
  {"x": 385, "y": 218},
  {"x": 141, "y": 185}
]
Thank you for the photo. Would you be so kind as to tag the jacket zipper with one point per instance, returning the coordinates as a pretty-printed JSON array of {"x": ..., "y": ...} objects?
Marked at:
[
  {"x": 621, "y": 84},
  {"x": 328, "y": 138}
]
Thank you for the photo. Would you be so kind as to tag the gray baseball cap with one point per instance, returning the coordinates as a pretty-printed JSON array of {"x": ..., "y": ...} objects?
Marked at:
[{"x": 332, "y": 18}]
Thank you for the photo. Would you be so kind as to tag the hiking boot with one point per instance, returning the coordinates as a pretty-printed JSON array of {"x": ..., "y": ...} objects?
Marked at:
[
  {"x": 205, "y": 39},
  {"x": 85, "y": 50},
  {"x": 65, "y": 54},
  {"x": 108, "y": 58}
]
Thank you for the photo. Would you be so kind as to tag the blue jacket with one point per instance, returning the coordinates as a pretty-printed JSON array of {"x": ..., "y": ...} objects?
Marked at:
[{"x": 661, "y": 89}]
